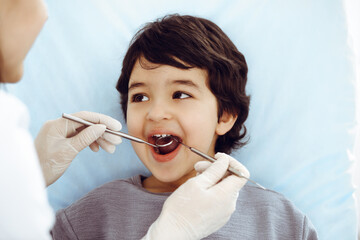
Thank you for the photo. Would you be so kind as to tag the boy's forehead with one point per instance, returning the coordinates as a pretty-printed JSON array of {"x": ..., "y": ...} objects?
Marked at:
[{"x": 150, "y": 71}]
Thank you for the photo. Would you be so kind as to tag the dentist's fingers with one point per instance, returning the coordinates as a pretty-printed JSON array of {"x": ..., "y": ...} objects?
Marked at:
[
  {"x": 111, "y": 138},
  {"x": 94, "y": 147},
  {"x": 87, "y": 136},
  {"x": 108, "y": 147},
  {"x": 60, "y": 140},
  {"x": 202, "y": 166},
  {"x": 232, "y": 183},
  {"x": 234, "y": 164},
  {"x": 71, "y": 128},
  {"x": 107, "y": 140},
  {"x": 214, "y": 173}
]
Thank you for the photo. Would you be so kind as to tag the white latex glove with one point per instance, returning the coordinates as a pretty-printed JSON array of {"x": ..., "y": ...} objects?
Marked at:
[
  {"x": 202, "y": 205},
  {"x": 60, "y": 140}
]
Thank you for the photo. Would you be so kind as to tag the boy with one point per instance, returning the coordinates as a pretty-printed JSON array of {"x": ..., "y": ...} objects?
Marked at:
[{"x": 183, "y": 77}]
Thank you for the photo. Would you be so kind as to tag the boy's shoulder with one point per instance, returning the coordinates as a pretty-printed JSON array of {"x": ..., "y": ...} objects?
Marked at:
[
  {"x": 259, "y": 195},
  {"x": 271, "y": 214},
  {"x": 267, "y": 201},
  {"x": 108, "y": 210},
  {"x": 117, "y": 193},
  {"x": 119, "y": 185},
  {"x": 117, "y": 190}
]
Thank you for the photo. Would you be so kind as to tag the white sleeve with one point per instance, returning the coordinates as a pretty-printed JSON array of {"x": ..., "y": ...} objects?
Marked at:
[{"x": 24, "y": 209}]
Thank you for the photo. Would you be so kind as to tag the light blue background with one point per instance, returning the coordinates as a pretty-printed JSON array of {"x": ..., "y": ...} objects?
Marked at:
[{"x": 300, "y": 80}]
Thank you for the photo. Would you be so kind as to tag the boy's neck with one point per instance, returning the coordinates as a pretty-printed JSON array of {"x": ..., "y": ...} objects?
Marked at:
[{"x": 154, "y": 185}]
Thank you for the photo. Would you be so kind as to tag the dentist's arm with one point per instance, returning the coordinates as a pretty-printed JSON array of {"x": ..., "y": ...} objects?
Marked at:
[
  {"x": 202, "y": 205},
  {"x": 60, "y": 140}
]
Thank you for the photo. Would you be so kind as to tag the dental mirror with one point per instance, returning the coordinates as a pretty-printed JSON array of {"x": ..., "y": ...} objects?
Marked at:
[
  {"x": 166, "y": 144},
  {"x": 164, "y": 141}
]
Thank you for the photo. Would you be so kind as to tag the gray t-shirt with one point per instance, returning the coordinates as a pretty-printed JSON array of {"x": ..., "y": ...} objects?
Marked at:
[{"x": 123, "y": 209}]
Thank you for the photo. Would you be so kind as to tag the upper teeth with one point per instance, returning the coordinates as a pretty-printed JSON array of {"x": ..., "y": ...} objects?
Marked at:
[{"x": 161, "y": 135}]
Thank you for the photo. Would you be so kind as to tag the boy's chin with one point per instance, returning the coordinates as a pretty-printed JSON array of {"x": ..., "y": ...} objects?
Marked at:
[
  {"x": 169, "y": 178},
  {"x": 174, "y": 178}
]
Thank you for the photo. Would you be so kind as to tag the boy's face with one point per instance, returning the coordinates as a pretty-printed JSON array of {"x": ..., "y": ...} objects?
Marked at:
[{"x": 168, "y": 100}]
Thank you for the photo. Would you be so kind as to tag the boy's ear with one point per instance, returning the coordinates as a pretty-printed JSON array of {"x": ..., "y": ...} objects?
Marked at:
[{"x": 225, "y": 123}]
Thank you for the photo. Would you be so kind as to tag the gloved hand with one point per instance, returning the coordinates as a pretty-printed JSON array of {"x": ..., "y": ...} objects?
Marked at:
[
  {"x": 60, "y": 140},
  {"x": 202, "y": 205}
]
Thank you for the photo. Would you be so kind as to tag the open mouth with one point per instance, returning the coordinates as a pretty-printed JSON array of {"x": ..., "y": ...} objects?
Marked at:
[{"x": 166, "y": 143}]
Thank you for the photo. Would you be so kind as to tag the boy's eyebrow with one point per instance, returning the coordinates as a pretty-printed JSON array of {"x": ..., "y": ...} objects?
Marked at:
[
  {"x": 186, "y": 82},
  {"x": 136, "y": 84},
  {"x": 180, "y": 82}
]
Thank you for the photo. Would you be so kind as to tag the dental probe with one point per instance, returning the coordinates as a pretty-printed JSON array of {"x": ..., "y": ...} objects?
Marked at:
[
  {"x": 121, "y": 134},
  {"x": 169, "y": 140},
  {"x": 211, "y": 159}
]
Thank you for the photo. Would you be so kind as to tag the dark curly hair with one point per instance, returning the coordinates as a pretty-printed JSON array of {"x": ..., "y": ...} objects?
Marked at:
[{"x": 197, "y": 42}]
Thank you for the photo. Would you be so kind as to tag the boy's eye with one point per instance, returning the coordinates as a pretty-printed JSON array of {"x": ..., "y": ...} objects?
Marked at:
[
  {"x": 139, "y": 98},
  {"x": 180, "y": 95}
]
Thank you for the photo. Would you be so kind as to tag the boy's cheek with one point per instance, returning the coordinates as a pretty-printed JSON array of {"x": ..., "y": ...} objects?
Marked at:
[{"x": 133, "y": 125}]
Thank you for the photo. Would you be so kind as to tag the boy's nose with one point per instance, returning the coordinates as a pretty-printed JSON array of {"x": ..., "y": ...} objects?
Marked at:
[{"x": 158, "y": 111}]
